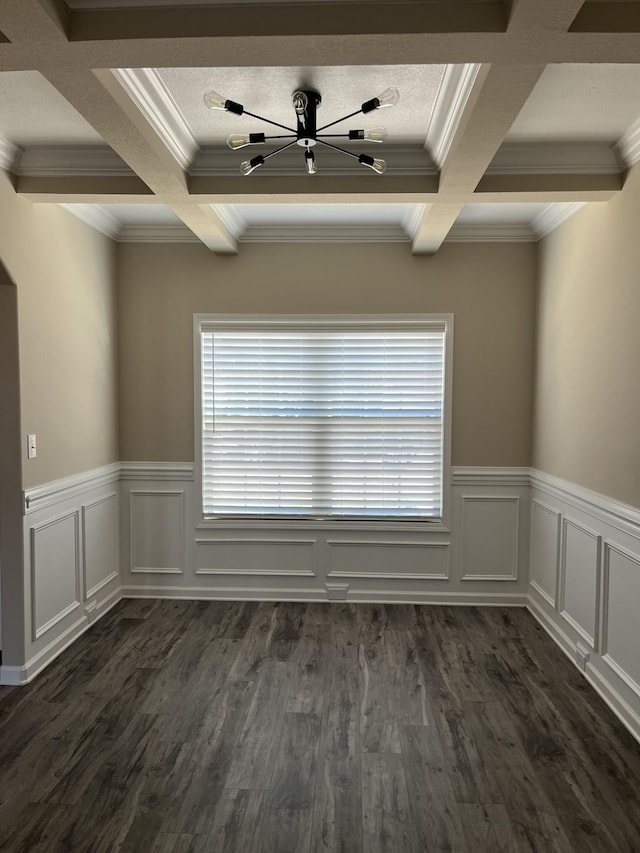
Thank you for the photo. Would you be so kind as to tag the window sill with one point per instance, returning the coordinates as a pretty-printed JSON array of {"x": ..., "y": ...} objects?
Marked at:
[{"x": 436, "y": 526}]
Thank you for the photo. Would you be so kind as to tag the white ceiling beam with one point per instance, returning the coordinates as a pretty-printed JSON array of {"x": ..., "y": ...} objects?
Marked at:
[
  {"x": 435, "y": 223},
  {"x": 205, "y": 223}
]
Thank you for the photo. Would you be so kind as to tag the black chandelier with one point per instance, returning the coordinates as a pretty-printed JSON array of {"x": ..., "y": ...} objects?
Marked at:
[{"x": 307, "y": 134}]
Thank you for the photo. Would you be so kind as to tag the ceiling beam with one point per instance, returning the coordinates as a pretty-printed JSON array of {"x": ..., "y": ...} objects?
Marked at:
[
  {"x": 435, "y": 223},
  {"x": 205, "y": 223}
]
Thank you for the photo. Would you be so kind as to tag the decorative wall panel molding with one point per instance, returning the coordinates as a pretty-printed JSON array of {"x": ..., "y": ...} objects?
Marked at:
[
  {"x": 388, "y": 560},
  {"x": 55, "y": 571},
  {"x": 57, "y": 491},
  {"x": 545, "y": 551},
  {"x": 579, "y": 585},
  {"x": 100, "y": 538},
  {"x": 157, "y": 524},
  {"x": 255, "y": 557},
  {"x": 598, "y": 582},
  {"x": 489, "y": 537}
]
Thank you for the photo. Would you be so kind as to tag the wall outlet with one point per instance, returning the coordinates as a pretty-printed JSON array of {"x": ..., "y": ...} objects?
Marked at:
[
  {"x": 31, "y": 446},
  {"x": 582, "y": 656},
  {"x": 337, "y": 591}
]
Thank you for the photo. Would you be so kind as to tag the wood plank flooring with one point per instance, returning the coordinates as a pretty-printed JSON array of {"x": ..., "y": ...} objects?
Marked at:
[{"x": 226, "y": 727}]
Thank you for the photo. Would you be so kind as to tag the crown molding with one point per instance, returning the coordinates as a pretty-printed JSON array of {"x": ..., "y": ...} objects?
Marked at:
[
  {"x": 231, "y": 218},
  {"x": 95, "y": 216},
  {"x": 402, "y": 159},
  {"x": 149, "y": 93},
  {"x": 553, "y": 158},
  {"x": 453, "y": 94},
  {"x": 60, "y": 161},
  {"x": 554, "y": 215},
  {"x": 629, "y": 145},
  {"x": 324, "y": 234},
  {"x": 156, "y": 234},
  {"x": 487, "y": 233},
  {"x": 9, "y": 155},
  {"x": 412, "y": 219}
]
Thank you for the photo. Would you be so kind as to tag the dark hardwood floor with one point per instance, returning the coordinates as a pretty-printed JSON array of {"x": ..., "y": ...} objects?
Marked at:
[{"x": 183, "y": 727}]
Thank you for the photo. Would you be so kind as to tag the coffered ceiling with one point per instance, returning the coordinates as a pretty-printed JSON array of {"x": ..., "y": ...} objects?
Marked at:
[{"x": 511, "y": 115}]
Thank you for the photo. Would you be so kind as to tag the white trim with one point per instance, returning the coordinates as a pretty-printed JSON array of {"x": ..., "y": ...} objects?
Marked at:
[
  {"x": 489, "y": 476},
  {"x": 554, "y": 215},
  {"x": 96, "y": 216},
  {"x": 9, "y": 155},
  {"x": 318, "y": 321},
  {"x": 592, "y": 641},
  {"x": 542, "y": 593},
  {"x": 147, "y": 90},
  {"x": 89, "y": 593},
  {"x": 622, "y": 516},
  {"x": 177, "y": 233},
  {"x": 629, "y": 144},
  {"x": 627, "y": 715},
  {"x": 488, "y": 233},
  {"x": 415, "y": 576},
  {"x": 41, "y": 497},
  {"x": 155, "y": 493},
  {"x": 38, "y": 631},
  {"x": 20, "y": 675},
  {"x": 291, "y": 594},
  {"x": 156, "y": 470},
  {"x": 515, "y": 499},
  {"x": 455, "y": 88},
  {"x": 335, "y": 233}
]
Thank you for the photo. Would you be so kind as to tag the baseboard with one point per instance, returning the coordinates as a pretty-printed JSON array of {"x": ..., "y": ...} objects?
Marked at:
[
  {"x": 20, "y": 675},
  {"x": 306, "y": 595},
  {"x": 605, "y": 689}
]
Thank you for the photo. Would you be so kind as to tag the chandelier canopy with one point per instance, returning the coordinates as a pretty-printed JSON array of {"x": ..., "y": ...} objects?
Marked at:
[{"x": 307, "y": 134}]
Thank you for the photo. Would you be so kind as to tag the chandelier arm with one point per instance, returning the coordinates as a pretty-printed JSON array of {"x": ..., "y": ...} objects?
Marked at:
[
  {"x": 268, "y": 120},
  {"x": 333, "y": 136},
  {"x": 337, "y": 148},
  {"x": 338, "y": 120}
]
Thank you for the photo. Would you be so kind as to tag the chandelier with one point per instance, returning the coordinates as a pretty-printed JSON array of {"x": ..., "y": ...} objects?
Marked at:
[{"x": 306, "y": 133}]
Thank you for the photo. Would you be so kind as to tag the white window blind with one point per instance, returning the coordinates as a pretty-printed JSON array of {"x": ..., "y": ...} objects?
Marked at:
[{"x": 344, "y": 422}]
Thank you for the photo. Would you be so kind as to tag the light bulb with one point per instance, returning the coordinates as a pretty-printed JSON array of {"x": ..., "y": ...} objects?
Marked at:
[
  {"x": 374, "y": 134},
  {"x": 310, "y": 162},
  {"x": 378, "y": 166},
  {"x": 388, "y": 98},
  {"x": 240, "y": 140},
  {"x": 214, "y": 101},
  {"x": 250, "y": 165}
]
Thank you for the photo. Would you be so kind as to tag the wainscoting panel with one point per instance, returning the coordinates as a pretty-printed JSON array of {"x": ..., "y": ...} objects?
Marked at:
[
  {"x": 598, "y": 581},
  {"x": 72, "y": 563},
  {"x": 489, "y": 538},
  {"x": 579, "y": 586},
  {"x": 388, "y": 560},
  {"x": 55, "y": 571},
  {"x": 157, "y": 531},
  {"x": 255, "y": 557},
  {"x": 545, "y": 551},
  {"x": 100, "y": 553},
  {"x": 621, "y": 623}
]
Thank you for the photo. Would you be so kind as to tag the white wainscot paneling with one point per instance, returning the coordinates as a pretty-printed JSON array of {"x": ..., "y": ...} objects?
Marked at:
[
  {"x": 390, "y": 560},
  {"x": 545, "y": 548},
  {"x": 580, "y": 579},
  {"x": 100, "y": 543},
  {"x": 620, "y": 635},
  {"x": 55, "y": 571},
  {"x": 157, "y": 531},
  {"x": 489, "y": 538},
  {"x": 256, "y": 556}
]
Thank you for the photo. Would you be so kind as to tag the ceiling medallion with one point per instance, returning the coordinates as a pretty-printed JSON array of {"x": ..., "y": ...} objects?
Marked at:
[{"x": 307, "y": 134}]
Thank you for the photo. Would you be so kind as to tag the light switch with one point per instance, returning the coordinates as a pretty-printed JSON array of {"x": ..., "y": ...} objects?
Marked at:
[{"x": 31, "y": 446}]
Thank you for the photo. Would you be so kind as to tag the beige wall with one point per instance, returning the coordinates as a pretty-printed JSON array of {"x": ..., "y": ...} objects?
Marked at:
[
  {"x": 64, "y": 272},
  {"x": 587, "y": 403},
  {"x": 489, "y": 287}
]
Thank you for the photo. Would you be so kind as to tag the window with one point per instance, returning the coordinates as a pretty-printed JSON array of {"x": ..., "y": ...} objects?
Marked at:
[{"x": 323, "y": 418}]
